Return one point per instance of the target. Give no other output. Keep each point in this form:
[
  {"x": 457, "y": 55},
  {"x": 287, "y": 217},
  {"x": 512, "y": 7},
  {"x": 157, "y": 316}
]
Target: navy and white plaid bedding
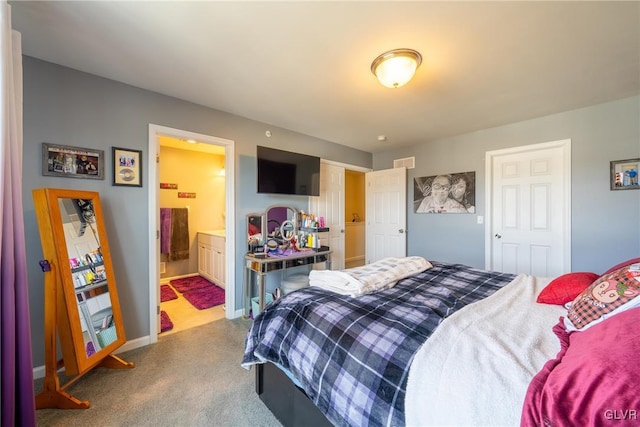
[{"x": 352, "y": 355}]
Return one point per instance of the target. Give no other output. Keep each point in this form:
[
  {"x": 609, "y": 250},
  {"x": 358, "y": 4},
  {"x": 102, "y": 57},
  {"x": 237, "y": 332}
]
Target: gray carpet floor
[{"x": 191, "y": 378}]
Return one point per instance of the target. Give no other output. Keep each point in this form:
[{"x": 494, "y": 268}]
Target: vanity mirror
[
  {"x": 280, "y": 223},
  {"x": 81, "y": 300},
  {"x": 255, "y": 237}
]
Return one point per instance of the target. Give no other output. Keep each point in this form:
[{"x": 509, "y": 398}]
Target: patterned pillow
[
  {"x": 566, "y": 288},
  {"x": 611, "y": 294}
]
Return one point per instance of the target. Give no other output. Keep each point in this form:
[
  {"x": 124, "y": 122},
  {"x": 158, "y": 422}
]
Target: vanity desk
[
  {"x": 257, "y": 265},
  {"x": 277, "y": 242}
]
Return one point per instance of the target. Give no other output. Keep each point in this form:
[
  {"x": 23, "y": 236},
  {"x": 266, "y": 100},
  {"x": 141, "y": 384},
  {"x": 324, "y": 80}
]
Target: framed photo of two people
[{"x": 445, "y": 193}]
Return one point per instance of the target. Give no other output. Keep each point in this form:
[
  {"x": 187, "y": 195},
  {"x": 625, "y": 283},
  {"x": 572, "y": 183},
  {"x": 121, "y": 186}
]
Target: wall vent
[{"x": 407, "y": 162}]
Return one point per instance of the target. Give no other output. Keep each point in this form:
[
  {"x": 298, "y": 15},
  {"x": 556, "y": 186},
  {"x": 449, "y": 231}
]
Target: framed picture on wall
[
  {"x": 445, "y": 193},
  {"x": 72, "y": 162},
  {"x": 127, "y": 167},
  {"x": 624, "y": 174}
]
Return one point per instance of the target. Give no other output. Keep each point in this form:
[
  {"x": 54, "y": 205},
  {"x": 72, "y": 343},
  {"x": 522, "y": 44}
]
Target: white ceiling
[{"x": 305, "y": 66}]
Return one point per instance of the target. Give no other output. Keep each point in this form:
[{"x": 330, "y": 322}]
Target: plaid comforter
[{"x": 352, "y": 355}]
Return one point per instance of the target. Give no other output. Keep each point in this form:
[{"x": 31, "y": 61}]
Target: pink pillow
[
  {"x": 566, "y": 288},
  {"x": 622, "y": 264},
  {"x": 609, "y": 295},
  {"x": 591, "y": 382}
]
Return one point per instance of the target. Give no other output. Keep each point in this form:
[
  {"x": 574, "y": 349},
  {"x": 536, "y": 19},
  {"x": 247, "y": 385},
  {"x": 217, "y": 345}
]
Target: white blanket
[
  {"x": 382, "y": 274},
  {"x": 476, "y": 367}
]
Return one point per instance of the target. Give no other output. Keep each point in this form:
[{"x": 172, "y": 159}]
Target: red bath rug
[{"x": 204, "y": 298}]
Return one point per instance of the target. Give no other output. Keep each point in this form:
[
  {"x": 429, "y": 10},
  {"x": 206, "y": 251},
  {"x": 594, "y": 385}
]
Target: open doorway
[
  {"x": 355, "y": 216},
  {"x": 341, "y": 201},
  {"x": 192, "y": 285},
  {"x": 215, "y": 156}
]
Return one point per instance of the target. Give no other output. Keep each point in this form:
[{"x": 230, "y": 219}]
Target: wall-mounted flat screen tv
[{"x": 285, "y": 172}]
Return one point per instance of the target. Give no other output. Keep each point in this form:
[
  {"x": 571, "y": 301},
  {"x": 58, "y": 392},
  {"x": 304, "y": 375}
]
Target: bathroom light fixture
[{"x": 396, "y": 67}]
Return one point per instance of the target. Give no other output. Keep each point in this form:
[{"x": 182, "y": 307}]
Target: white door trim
[
  {"x": 154, "y": 220},
  {"x": 490, "y": 156},
  {"x": 347, "y": 166}
]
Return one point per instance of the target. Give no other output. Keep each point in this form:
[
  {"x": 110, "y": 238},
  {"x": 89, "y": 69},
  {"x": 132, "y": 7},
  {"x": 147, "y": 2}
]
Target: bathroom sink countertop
[{"x": 220, "y": 233}]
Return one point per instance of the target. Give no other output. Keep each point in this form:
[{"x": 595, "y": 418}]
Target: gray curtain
[{"x": 17, "y": 393}]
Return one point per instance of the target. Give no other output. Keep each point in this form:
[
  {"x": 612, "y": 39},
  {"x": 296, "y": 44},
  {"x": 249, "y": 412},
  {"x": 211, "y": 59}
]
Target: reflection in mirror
[
  {"x": 254, "y": 232},
  {"x": 88, "y": 273},
  {"x": 276, "y": 215}
]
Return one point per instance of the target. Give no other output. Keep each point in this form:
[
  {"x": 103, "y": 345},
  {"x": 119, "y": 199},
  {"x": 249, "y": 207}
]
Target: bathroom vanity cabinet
[{"x": 211, "y": 256}]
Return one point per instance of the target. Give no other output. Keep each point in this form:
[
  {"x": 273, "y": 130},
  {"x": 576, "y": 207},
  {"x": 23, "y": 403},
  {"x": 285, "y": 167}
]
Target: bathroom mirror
[
  {"x": 80, "y": 285},
  {"x": 277, "y": 215}
]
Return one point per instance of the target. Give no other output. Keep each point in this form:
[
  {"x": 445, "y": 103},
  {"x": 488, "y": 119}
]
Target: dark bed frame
[{"x": 288, "y": 402}]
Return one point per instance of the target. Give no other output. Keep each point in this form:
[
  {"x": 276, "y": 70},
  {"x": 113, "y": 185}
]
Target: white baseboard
[{"x": 39, "y": 371}]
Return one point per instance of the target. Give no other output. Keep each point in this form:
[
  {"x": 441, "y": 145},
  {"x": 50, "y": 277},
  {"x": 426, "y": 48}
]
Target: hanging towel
[
  {"x": 165, "y": 230},
  {"x": 179, "y": 234}
]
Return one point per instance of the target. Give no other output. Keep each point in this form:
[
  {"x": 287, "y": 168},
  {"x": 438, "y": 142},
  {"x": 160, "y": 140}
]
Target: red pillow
[
  {"x": 622, "y": 264},
  {"x": 566, "y": 288}
]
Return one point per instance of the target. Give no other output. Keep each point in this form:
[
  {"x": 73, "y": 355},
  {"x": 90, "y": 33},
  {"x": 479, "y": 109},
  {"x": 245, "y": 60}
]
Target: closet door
[{"x": 386, "y": 205}]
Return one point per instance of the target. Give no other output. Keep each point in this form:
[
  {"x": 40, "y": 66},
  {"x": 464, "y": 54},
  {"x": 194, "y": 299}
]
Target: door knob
[
  {"x": 401, "y": 231},
  {"x": 498, "y": 236}
]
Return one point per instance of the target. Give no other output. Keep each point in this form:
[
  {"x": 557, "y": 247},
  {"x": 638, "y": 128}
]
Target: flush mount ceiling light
[{"x": 396, "y": 67}]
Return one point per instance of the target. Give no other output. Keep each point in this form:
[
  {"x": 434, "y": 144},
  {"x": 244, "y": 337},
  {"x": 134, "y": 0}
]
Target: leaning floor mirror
[{"x": 81, "y": 299}]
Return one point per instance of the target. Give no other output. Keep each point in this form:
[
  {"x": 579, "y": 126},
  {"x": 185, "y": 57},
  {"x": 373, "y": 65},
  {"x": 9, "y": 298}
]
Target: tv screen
[{"x": 285, "y": 172}]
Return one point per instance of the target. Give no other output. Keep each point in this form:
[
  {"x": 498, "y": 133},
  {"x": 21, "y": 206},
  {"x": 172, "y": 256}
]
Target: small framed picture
[
  {"x": 127, "y": 167},
  {"x": 624, "y": 174},
  {"x": 72, "y": 162}
]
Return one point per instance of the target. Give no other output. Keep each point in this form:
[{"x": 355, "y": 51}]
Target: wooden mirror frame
[{"x": 61, "y": 301}]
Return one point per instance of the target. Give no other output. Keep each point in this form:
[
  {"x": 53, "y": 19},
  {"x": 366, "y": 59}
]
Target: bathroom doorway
[
  {"x": 192, "y": 176},
  {"x": 190, "y": 294}
]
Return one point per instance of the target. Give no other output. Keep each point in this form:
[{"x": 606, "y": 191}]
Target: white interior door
[
  {"x": 330, "y": 205},
  {"x": 386, "y": 206},
  {"x": 528, "y": 229}
]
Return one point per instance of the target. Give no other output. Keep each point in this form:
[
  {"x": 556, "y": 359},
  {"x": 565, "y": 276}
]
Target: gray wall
[
  {"x": 64, "y": 106},
  {"x": 605, "y": 223},
  {"x": 68, "y": 107}
]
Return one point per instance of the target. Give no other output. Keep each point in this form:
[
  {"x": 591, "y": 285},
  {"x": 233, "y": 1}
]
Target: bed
[{"x": 450, "y": 345}]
